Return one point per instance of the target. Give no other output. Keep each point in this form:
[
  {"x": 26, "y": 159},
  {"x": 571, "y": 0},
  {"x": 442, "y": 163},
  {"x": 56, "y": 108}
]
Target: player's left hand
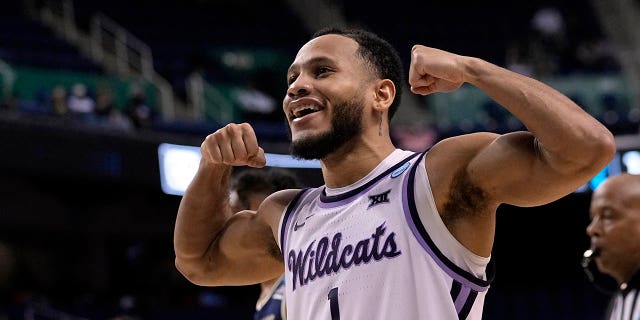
[{"x": 434, "y": 70}]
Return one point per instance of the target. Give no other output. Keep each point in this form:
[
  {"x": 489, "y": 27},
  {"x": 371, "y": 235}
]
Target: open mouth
[{"x": 303, "y": 111}]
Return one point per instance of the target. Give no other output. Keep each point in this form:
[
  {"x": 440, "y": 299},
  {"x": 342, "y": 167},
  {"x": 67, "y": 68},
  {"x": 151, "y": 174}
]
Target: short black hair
[
  {"x": 251, "y": 181},
  {"x": 378, "y": 53}
]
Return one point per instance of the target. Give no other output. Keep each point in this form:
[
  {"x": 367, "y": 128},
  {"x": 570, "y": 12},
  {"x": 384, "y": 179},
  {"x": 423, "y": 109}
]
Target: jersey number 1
[{"x": 333, "y": 304}]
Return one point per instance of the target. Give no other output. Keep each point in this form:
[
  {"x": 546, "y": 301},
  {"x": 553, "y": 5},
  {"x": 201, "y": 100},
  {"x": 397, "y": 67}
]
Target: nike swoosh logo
[{"x": 297, "y": 226}]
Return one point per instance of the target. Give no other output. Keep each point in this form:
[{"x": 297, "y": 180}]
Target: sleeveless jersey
[
  {"x": 272, "y": 307},
  {"x": 378, "y": 249}
]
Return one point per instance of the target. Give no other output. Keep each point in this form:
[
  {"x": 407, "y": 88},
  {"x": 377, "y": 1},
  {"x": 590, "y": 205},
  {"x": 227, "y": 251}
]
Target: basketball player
[
  {"x": 249, "y": 188},
  {"x": 615, "y": 238},
  {"x": 393, "y": 234}
]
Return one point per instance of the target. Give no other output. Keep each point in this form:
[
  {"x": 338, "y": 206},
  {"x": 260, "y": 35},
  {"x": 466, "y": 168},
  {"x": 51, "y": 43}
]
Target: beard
[{"x": 345, "y": 125}]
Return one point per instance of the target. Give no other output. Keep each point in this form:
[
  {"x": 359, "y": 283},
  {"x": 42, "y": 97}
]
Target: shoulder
[
  {"x": 463, "y": 145},
  {"x": 274, "y": 205},
  {"x": 282, "y": 198},
  {"x": 449, "y": 156}
]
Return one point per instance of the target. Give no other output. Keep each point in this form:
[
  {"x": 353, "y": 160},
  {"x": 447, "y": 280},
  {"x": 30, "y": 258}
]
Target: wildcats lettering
[{"x": 324, "y": 258}]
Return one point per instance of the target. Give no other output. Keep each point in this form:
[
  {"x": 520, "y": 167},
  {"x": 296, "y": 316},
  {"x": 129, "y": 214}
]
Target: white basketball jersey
[{"x": 378, "y": 249}]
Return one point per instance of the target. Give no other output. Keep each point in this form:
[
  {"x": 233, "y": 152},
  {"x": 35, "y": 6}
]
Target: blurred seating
[
  {"x": 605, "y": 96},
  {"x": 25, "y": 42},
  {"x": 232, "y": 54},
  {"x": 188, "y": 36}
]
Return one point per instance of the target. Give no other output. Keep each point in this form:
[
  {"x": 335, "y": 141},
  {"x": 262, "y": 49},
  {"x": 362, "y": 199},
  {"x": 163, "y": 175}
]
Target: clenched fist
[
  {"x": 233, "y": 145},
  {"x": 433, "y": 70}
]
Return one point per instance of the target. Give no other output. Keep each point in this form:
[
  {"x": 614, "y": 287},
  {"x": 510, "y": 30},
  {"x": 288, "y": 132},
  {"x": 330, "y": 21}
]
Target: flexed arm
[
  {"x": 473, "y": 174},
  {"x": 564, "y": 148},
  {"x": 214, "y": 246}
]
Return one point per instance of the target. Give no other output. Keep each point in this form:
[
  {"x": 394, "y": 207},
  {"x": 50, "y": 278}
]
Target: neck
[{"x": 355, "y": 159}]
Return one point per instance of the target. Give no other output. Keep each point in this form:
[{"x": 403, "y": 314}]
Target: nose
[
  {"x": 299, "y": 88},
  {"x": 593, "y": 229}
]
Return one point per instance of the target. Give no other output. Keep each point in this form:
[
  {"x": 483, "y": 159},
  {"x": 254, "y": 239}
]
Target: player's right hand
[{"x": 233, "y": 145}]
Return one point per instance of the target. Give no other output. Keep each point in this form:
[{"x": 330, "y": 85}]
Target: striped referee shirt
[{"x": 625, "y": 305}]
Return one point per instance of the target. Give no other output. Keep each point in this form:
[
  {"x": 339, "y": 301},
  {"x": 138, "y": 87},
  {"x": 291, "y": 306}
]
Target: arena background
[{"x": 85, "y": 225}]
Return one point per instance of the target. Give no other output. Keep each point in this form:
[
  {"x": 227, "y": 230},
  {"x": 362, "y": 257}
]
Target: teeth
[{"x": 304, "y": 110}]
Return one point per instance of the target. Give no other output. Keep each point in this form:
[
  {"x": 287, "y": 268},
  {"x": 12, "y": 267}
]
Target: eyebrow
[{"x": 312, "y": 61}]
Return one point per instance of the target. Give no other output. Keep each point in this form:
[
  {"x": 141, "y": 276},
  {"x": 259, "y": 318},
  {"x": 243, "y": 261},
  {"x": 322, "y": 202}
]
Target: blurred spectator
[
  {"x": 249, "y": 188},
  {"x": 518, "y": 58},
  {"x": 546, "y": 50},
  {"x": 79, "y": 102},
  {"x": 557, "y": 44},
  {"x": 548, "y": 41},
  {"x": 138, "y": 110},
  {"x": 58, "y": 100},
  {"x": 106, "y": 111},
  {"x": 549, "y": 23},
  {"x": 597, "y": 55},
  {"x": 104, "y": 106}
]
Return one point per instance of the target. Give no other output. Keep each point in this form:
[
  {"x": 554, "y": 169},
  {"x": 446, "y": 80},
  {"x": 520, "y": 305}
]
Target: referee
[{"x": 615, "y": 239}]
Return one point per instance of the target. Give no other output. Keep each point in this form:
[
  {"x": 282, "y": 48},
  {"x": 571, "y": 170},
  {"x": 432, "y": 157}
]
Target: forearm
[
  {"x": 202, "y": 213},
  {"x": 567, "y": 135}
]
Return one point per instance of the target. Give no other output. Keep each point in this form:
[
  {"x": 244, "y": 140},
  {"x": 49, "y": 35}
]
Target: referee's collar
[{"x": 632, "y": 284}]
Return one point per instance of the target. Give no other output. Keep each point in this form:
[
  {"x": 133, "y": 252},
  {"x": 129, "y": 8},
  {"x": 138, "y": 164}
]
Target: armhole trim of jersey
[
  {"x": 285, "y": 218},
  {"x": 420, "y": 233}
]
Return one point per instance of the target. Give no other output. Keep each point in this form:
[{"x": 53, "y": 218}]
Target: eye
[
  {"x": 607, "y": 214},
  {"x": 322, "y": 71},
  {"x": 291, "y": 78}
]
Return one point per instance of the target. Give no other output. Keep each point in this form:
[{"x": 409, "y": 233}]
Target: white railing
[
  {"x": 132, "y": 56},
  {"x": 208, "y": 101},
  {"x": 60, "y": 17},
  {"x": 111, "y": 46},
  {"x": 124, "y": 54}
]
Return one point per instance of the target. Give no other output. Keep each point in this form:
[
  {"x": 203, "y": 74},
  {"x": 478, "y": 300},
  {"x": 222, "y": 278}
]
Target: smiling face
[
  {"x": 324, "y": 104},
  {"x": 615, "y": 226}
]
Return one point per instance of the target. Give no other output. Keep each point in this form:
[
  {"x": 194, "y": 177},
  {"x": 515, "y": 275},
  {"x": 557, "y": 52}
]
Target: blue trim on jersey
[
  {"x": 349, "y": 196},
  {"x": 285, "y": 219},
  {"x": 480, "y": 284}
]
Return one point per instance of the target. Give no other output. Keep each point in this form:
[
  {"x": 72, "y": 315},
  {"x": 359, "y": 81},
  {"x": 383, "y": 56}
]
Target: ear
[{"x": 384, "y": 94}]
